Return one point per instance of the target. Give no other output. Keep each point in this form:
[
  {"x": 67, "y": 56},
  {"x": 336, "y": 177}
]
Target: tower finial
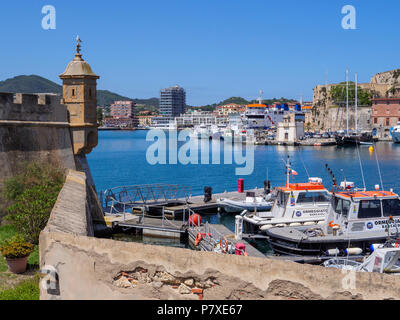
[{"x": 78, "y": 47}]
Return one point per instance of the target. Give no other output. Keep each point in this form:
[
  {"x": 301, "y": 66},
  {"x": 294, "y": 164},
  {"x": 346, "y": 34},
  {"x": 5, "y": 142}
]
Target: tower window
[
  {"x": 73, "y": 92},
  {"x": 90, "y": 92}
]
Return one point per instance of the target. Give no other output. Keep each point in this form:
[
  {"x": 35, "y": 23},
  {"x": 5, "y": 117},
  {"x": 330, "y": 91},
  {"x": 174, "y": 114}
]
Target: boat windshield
[
  {"x": 369, "y": 209},
  {"x": 341, "y": 206},
  {"x": 311, "y": 197},
  {"x": 282, "y": 198},
  {"x": 391, "y": 207}
]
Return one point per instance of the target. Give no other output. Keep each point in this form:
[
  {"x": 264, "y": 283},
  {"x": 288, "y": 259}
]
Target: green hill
[{"x": 37, "y": 84}]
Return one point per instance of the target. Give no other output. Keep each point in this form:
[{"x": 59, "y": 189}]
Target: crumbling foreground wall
[{"x": 91, "y": 268}]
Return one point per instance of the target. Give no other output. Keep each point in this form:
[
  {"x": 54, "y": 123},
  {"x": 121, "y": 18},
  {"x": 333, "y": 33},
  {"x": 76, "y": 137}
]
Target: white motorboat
[
  {"x": 356, "y": 220},
  {"x": 296, "y": 204},
  {"x": 396, "y": 133},
  {"x": 383, "y": 259},
  {"x": 251, "y": 203},
  {"x": 201, "y": 132}
]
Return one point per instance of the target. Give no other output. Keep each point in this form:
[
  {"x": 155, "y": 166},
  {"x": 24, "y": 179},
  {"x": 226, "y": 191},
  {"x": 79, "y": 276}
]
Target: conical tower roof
[{"x": 78, "y": 67}]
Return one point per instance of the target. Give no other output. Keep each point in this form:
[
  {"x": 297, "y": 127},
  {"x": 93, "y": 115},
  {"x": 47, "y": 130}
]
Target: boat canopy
[
  {"x": 367, "y": 194},
  {"x": 309, "y": 186}
]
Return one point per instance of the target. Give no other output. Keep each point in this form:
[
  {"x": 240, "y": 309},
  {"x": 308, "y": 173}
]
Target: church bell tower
[{"x": 80, "y": 97}]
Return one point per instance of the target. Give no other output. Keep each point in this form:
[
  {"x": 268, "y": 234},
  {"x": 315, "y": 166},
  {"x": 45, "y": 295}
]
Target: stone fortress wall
[
  {"x": 33, "y": 127},
  {"x": 328, "y": 116}
]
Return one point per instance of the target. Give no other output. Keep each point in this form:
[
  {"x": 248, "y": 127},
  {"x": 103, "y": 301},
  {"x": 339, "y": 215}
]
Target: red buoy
[{"x": 195, "y": 220}]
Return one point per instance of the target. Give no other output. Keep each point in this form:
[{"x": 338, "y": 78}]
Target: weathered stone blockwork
[{"x": 33, "y": 127}]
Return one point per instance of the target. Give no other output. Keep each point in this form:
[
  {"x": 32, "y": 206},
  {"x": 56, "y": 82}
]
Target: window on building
[
  {"x": 375, "y": 120},
  {"x": 90, "y": 92},
  {"x": 73, "y": 92},
  {"x": 387, "y": 121}
]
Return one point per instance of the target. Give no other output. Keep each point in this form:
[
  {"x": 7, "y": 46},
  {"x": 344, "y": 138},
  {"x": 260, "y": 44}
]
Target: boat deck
[{"x": 296, "y": 235}]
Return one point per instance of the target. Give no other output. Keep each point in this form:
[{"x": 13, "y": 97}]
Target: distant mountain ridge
[{"x": 38, "y": 84}]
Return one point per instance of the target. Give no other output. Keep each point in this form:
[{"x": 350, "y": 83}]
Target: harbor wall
[{"x": 86, "y": 267}]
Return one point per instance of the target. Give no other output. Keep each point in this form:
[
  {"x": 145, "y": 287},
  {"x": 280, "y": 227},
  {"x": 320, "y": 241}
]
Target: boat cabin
[
  {"x": 360, "y": 211},
  {"x": 302, "y": 200}
]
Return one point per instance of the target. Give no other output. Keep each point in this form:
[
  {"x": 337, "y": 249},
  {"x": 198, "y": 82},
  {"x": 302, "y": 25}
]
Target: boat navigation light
[
  {"x": 315, "y": 180},
  {"x": 377, "y": 187},
  {"x": 347, "y": 184}
]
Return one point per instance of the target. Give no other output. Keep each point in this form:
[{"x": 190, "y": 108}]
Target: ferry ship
[
  {"x": 260, "y": 116},
  {"x": 357, "y": 221},
  {"x": 396, "y": 133},
  {"x": 254, "y": 116}
]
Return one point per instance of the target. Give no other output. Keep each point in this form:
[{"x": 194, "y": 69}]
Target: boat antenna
[
  {"x": 379, "y": 169},
  {"x": 344, "y": 177},
  {"x": 304, "y": 165},
  {"x": 332, "y": 175},
  {"x": 347, "y": 100},
  {"x": 356, "y": 103},
  {"x": 361, "y": 167},
  {"x": 287, "y": 165}
]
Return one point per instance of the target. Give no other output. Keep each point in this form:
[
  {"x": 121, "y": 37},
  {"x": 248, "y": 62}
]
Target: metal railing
[{"x": 138, "y": 195}]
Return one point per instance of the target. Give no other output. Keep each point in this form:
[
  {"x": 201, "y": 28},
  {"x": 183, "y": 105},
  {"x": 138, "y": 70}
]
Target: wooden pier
[{"x": 156, "y": 227}]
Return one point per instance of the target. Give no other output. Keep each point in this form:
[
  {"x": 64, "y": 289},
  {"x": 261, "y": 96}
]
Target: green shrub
[
  {"x": 33, "y": 193},
  {"x": 16, "y": 247},
  {"x": 25, "y": 290}
]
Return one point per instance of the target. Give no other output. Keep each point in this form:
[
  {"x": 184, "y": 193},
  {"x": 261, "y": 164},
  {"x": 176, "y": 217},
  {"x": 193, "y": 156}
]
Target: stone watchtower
[{"x": 79, "y": 96}]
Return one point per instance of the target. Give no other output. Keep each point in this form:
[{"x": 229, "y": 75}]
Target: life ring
[
  {"x": 224, "y": 246},
  {"x": 199, "y": 237},
  {"x": 333, "y": 225}
]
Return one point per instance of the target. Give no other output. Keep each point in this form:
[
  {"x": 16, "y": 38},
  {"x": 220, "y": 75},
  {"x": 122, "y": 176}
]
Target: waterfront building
[
  {"x": 227, "y": 109},
  {"x": 122, "y": 114},
  {"x": 145, "y": 121},
  {"x": 122, "y": 109},
  {"x": 385, "y": 115},
  {"x": 196, "y": 118},
  {"x": 172, "y": 102},
  {"x": 80, "y": 98},
  {"x": 292, "y": 127}
]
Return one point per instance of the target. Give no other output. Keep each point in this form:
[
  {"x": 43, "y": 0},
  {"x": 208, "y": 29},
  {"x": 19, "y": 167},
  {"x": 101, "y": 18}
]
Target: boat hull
[
  {"x": 354, "y": 140},
  {"x": 287, "y": 241},
  {"x": 238, "y": 206},
  {"x": 396, "y": 137}
]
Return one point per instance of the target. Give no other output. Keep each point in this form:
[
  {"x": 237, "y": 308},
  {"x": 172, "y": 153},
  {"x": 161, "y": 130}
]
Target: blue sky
[{"x": 213, "y": 48}]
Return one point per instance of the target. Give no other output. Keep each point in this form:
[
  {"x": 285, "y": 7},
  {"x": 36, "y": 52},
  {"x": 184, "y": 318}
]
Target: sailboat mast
[
  {"x": 356, "y": 119},
  {"x": 347, "y": 101}
]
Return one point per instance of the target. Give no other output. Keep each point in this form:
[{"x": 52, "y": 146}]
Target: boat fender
[
  {"x": 375, "y": 246},
  {"x": 353, "y": 251},
  {"x": 295, "y": 224},
  {"x": 332, "y": 252},
  {"x": 266, "y": 227}
]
